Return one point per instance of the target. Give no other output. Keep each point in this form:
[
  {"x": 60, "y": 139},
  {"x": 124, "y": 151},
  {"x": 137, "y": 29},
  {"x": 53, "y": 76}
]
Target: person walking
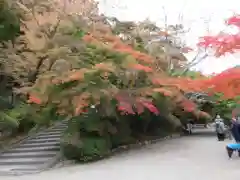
[{"x": 220, "y": 128}]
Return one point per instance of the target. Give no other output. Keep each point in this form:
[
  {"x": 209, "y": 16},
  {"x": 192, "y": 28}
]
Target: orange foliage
[
  {"x": 142, "y": 68},
  {"x": 227, "y": 83},
  {"x": 109, "y": 67},
  {"x": 118, "y": 46},
  {"x": 34, "y": 99},
  {"x": 159, "y": 81},
  {"x": 77, "y": 75}
]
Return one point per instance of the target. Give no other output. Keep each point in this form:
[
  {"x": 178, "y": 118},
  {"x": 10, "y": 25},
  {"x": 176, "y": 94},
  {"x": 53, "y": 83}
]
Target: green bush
[
  {"x": 86, "y": 139},
  {"x": 9, "y": 22},
  {"x": 24, "y": 117},
  {"x": 90, "y": 136}
]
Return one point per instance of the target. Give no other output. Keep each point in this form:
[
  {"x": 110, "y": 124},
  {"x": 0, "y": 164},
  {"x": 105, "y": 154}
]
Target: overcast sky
[{"x": 195, "y": 15}]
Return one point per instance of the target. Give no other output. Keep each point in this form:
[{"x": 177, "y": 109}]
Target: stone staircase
[{"x": 33, "y": 154}]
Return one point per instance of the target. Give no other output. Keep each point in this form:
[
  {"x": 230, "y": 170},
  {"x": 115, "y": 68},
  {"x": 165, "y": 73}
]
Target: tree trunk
[{"x": 33, "y": 76}]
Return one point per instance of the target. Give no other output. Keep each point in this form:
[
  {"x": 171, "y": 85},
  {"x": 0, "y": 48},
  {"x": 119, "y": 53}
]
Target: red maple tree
[
  {"x": 224, "y": 42},
  {"x": 228, "y": 81}
]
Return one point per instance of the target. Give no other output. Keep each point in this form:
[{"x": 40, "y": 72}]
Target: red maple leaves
[
  {"x": 134, "y": 105},
  {"x": 227, "y": 82},
  {"x": 223, "y": 42},
  {"x": 234, "y": 20},
  {"x": 188, "y": 105}
]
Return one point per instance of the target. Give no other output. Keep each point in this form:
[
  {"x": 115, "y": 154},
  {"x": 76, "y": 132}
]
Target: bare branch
[
  {"x": 53, "y": 32},
  {"x": 194, "y": 62}
]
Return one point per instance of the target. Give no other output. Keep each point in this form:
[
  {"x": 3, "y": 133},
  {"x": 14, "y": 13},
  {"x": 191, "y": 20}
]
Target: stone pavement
[{"x": 197, "y": 157}]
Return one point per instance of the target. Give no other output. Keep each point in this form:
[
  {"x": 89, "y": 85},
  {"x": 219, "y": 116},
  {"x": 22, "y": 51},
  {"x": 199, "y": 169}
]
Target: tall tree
[{"x": 42, "y": 44}]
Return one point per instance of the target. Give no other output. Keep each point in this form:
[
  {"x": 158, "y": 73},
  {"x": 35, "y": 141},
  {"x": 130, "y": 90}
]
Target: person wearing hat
[{"x": 220, "y": 128}]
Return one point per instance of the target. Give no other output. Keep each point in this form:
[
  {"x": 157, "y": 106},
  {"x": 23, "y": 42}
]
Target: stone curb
[{"x": 144, "y": 144}]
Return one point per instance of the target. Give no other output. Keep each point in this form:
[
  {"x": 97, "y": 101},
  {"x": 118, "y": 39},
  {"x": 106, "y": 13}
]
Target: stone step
[
  {"x": 28, "y": 154},
  {"x": 34, "y": 153},
  {"x": 42, "y": 136},
  {"x": 56, "y": 130},
  {"x": 43, "y": 144},
  {"x": 65, "y": 121},
  {"x": 23, "y": 161},
  {"x": 40, "y": 140},
  {"x": 36, "y": 149},
  {"x": 49, "y": 133},
  {"x": 63, "y": 124},
  {"x": 9, "y": 168},
  {"x": 60, "y": 127}
]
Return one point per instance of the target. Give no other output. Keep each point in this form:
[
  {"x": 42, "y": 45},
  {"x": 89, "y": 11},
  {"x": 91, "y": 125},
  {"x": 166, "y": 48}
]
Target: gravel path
[{"x": 197, "y": 157}]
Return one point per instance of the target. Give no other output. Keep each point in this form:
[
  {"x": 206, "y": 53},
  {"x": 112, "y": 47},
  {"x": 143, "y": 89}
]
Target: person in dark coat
[{"x": 235, "y": 129}]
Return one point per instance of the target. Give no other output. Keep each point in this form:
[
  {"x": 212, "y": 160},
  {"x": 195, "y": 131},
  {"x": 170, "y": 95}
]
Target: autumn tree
[
  {"x": 117, "y": 72},
  {"x": 147, "y": 36},
  {"x": 172, "y": 36},
  {"x": 111, "y": 86},
  {"x": 225, "y": 85},
  {"x": 111, "y": 80},
  {"x": 41, "y": 46}
]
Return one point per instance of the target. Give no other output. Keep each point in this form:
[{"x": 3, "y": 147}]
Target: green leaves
[
  {"x": 7, "y": 120},
  {"x": 9, "y": 23},
  {"x": 225, "y": 107},
  {"x": 79, "y": 33}
]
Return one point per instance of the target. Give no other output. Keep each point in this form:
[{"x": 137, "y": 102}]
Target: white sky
[{"x": 194, "y": 14}]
